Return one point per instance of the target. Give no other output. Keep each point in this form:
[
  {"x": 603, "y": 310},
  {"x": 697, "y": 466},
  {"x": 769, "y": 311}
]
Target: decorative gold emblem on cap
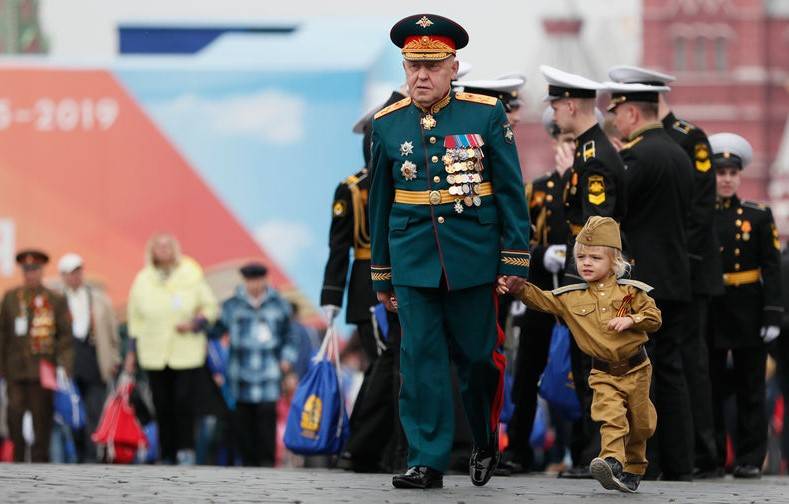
[{"x": 424, "y": 22}]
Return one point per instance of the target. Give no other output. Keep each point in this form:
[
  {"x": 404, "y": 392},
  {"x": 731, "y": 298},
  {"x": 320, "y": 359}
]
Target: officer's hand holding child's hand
[
  {"x": 501, "y": 288},
  {"x": 620, "y": 324},
  {"x": 388, "y": 299}
]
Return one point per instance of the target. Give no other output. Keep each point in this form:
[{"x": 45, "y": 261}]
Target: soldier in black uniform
[
  {"x": 546, "y": 211},
  {"x": 749, "y": 314},
  {"x": 374, "y": 425},
  {"x": 659, "y": 181},
  {"x": 705, "y": 265},
  {"x": 593, "y": 186}
]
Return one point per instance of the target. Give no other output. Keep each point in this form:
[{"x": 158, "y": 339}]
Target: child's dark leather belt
[{"x": 622, "y": 367}]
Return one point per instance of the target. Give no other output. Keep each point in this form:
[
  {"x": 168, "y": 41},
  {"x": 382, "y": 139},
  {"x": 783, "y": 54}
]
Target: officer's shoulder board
[
  {"x": 391, "y": 108},
  {"x": 683, "y": 127},
  {"x": 631, "y": 143},
  {"x": 754, "y": 205},
  {"x": 477, "y": 98},
  {"x": 354, "y": 179},
  {"x": 635, "y": 283},
  {"x": 569, "y": 288}
]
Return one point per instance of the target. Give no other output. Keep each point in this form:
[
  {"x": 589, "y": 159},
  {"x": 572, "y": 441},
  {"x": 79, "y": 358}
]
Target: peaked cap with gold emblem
[
  {"x": 600, "y": 232},
  {"x": 730, "y": 149},
  {"x": 428, "y": 37}
]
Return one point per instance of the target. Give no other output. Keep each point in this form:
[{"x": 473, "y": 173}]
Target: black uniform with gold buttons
[
  {"x": 595, "y": 185},
  {"x": 751, "y": 305},
  {"x": 659, "y": 184}
]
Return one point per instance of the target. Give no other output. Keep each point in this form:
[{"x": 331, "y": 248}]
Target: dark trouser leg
[
  {"x": 585, "y": 443},
  {"x": 672, "y": 401},
  {"x": 535, "y": 340},
  {"x": 749, "y": 367},
  {"x": 779, "y": 350},
  {"x": 163, "y": 394},
  {"x": 41, "y": 407},
  {"x": 717, "y": 378},
  {"x": 373, "y": 413},
  {"x": 246, "y": 423},
  {"x": 18, "y": 400},
  {"x": 93, "y": 395},
  {"x": 471, "y": 320},
  {"x": 695, "y": 363},
  {"x": 367, "y": 340},
  {"x": 184, "y": 419},
  {"x": 267, "y": 432},
  {"x": 425, "y": 392}
]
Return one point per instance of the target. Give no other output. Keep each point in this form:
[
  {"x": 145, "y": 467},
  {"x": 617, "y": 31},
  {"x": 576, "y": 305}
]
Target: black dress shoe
[
  {"x": 747, "y": 471},
  {"x": 509, "y": 468},
  {"x": 705, "y": 474},
  {"x": 607, "y": 472},
  {"x": 483, "y": 461},
  {"x": 630, "y": 480},
  {"x": 576, "y": 472},
  {"x": 420, "y": 477}
]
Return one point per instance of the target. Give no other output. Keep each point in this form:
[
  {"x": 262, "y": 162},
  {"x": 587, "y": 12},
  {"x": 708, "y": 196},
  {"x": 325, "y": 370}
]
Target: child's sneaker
[
  {"x": 630, "y": 480},
  {"x": 608, "y": 472}
]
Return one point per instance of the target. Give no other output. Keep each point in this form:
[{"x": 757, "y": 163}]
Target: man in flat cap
[
  {"x": 659, "y": 179},
  {"x": 257, "y": 320},
  {"x": 594, "y": 185},
  {"x": 447, "y": 217},
  {"x": 747, "y": 316},
  {"x": 705, "y": 263},
  {"x": 35, "y": 337}
]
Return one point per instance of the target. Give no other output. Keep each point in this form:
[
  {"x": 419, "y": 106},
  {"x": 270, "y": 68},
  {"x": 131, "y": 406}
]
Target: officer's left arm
[
  {"x": 770, "y": 262},
  {"x": 64, "y": 352},
  {"x": 289, "y": 352},
  {"x": 379, "y": 203},
  {"x": 702, "y": 211},
  {"x": 510, "y": 201},
  {"x": 644, "y": 312},
  {"x": 599, "y": 190}
]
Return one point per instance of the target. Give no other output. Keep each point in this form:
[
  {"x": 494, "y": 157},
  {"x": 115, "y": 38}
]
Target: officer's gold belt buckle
[{"x": 436, "y": 197}]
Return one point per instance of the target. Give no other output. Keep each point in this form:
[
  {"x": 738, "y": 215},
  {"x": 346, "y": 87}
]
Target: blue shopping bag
[
  {"x": 508, "y": 408},
  {"x": 556, "y": 384},
  {"x": 69, "y": 406},
  {"x": 540, "y": 426},
  {"x": 317, "y": 420}
]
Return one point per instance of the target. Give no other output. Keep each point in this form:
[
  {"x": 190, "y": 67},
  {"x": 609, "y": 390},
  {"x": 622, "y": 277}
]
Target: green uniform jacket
[
  {"x": 413, "y": 245},
  {"x": 20, "y": 354}
]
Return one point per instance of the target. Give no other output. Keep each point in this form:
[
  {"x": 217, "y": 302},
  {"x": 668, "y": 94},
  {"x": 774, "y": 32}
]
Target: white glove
[
  {"x": 769, "y": 333},
  {"x": 554, "y": 257},
  {"x": 330, "y": 312}
]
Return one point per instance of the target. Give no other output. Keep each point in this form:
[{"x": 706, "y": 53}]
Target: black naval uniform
[
  {"x": 595, "y": 185},
  {"x": 659, "y": 181},
  {"x": 546, "y": 211},
  {"x": 373, "y": 422},
  {"x": 750, "y": 251},
  {"x": 705, "y": 274}
]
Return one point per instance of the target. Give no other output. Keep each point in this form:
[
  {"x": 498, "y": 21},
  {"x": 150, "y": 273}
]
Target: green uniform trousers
[{"x": 439, "y": 325}]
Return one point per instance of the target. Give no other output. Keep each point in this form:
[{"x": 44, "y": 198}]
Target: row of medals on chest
[{"x": 464, "y": 168}]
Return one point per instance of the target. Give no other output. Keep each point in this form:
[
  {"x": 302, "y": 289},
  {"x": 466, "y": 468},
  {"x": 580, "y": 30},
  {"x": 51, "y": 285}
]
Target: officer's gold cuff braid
[{"x": 381, "y": 273}]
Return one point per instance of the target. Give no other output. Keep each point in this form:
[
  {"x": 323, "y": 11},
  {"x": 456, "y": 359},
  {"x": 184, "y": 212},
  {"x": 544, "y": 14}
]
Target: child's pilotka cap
[{"x": 600, "y": 231}]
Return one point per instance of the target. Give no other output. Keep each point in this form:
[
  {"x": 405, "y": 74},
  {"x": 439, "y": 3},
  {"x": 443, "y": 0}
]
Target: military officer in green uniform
[
  {"x": 35, "y": 336},
  {"x": 447, "y": 217},
  {"x": 748, "y": 315},
  {"x": 705, "y": 265}
]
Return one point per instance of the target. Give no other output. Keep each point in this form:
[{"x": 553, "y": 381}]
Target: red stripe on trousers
[{"x": 500, "y": 361}]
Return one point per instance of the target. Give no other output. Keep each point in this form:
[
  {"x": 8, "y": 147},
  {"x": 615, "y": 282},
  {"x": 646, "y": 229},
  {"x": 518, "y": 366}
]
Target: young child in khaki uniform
[{"x": 609, "y": 318}]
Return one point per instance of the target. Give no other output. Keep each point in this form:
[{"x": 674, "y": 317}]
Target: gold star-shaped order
[
  {"x": 424, "y": 22},
  {"x": 408, "y": 170},
  {"x": 406, "y": 148}
]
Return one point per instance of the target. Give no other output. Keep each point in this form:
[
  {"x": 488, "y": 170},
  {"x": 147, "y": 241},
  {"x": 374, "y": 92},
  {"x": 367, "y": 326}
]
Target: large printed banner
[{"x": 238, "y": 165}]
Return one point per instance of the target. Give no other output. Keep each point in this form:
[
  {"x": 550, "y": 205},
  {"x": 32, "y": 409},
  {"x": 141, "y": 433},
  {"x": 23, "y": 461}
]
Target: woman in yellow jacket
[{"x": 169, "y": 305}]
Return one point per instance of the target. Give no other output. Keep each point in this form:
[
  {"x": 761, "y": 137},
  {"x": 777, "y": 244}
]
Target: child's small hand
[
  {"x": 501, "y": 288},
  {"x": 620, "y": 324}
]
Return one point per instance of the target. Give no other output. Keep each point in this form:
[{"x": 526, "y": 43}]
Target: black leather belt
[{"x": 622, "y": 367}]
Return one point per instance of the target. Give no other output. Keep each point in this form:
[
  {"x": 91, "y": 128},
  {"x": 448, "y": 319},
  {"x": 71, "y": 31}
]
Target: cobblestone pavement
[{"x": 21, "y": 483}]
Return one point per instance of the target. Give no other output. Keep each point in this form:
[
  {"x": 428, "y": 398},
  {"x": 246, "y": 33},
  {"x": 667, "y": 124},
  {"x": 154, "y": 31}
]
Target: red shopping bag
[{"x": 119, "y": 433}]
